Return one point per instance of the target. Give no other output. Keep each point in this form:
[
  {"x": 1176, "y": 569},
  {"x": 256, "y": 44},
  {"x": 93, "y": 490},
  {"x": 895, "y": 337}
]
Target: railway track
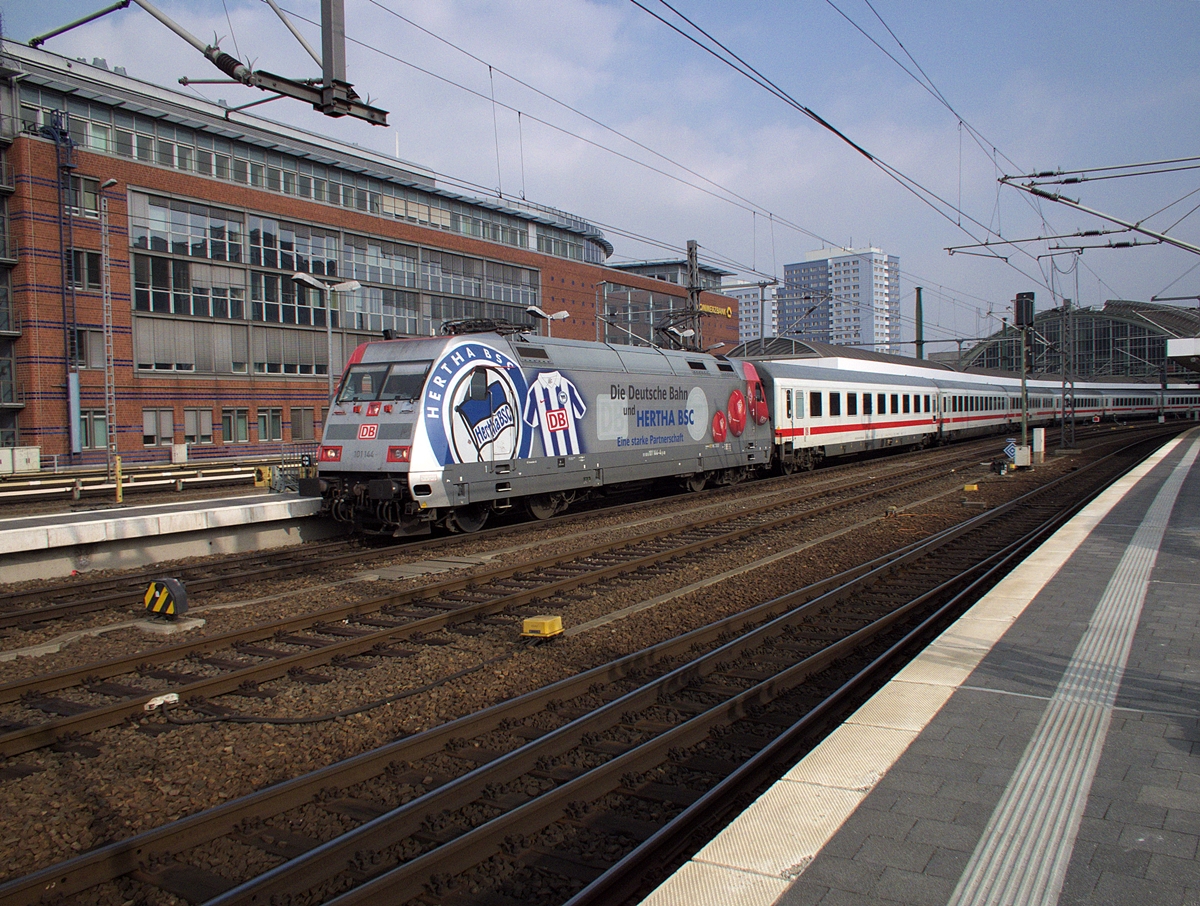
[
  {"x": 29, "y": 607},
  {"x": 82, "y": 700},
  {"x": 580, "y": 790}
]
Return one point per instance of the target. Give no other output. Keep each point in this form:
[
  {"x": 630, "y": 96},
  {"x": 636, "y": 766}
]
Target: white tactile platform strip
[{"x": 752, "y": 861}]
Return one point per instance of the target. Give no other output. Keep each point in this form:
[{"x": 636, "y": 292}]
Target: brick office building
[{"x": 191, "y": 329}]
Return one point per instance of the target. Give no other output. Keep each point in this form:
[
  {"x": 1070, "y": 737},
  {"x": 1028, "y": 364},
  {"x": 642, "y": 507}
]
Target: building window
[
  {"x": 235, "y": 426},
  {"x": 93, "y": 429},
  {"x": 87, "y": 348},
  {"x": 188, "y": 288},
  {"x": 85, "y": 196},
  {"x": 197, "y": 426},
  {"x": 183, "y": 228},
  {"x": 85, "y": 269},
  {"x": 270, "y": 424},
  {"x": 158, "y": 427},
  {"x": 303, "y": 425}
]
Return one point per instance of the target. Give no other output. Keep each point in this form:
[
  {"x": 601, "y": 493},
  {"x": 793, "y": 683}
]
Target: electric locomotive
[{"x": 446, "y": 430}]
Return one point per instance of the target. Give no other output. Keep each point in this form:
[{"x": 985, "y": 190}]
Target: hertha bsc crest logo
[{"x": 472, "y": 406}]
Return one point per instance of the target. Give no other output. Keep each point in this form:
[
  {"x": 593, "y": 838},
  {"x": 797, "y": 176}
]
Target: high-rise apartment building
[{"x": 847, "y": 297}]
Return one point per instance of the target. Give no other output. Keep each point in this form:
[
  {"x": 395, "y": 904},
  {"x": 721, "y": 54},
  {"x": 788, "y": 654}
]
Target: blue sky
[{"x": 1047, "y": 84}]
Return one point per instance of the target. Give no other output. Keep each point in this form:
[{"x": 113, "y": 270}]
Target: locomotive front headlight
[{"x": 330, "y": 454}]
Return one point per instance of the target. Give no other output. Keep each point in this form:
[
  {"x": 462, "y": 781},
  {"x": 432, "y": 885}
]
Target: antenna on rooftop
[{"x": 331, "y": 94}]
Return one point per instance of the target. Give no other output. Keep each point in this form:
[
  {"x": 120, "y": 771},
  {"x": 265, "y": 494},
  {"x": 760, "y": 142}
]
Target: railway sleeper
[
  {"x": 63, "y": 707},
  {"x": 174, "y": 676},
  {"x": 665, "y": 793},
  {"x": 303, "y": 641},
  {"x": 563, "y": 864},
  {"x": 195, "y": 885},
  {"x": 363, "y": 810},
  {"x": 274, "y": 842},
  {"x": 114, "y": 690}
]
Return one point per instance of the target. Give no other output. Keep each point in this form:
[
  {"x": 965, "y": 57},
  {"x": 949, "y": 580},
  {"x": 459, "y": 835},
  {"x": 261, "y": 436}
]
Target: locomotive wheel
[
  {"x": 696, "y": 483},
  {"x": 467, "y": 519},
  {"x": 541, "y": 506},
  {"x": 787, "y": 466}
]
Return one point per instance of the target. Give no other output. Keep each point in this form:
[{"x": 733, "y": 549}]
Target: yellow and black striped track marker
[{"x": 166, "y": 598}]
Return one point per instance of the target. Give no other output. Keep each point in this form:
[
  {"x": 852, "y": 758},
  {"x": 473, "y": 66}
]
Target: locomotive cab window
[
  {"x": 363, "y": 382},
  {"x": 405, "y": 380}
]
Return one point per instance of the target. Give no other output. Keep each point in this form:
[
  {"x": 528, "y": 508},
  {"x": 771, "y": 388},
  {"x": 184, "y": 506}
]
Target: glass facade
[{"x": 96, "y": 126}]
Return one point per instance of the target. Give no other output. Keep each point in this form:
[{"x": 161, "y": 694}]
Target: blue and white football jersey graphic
[{"x": 554, "y": 405}]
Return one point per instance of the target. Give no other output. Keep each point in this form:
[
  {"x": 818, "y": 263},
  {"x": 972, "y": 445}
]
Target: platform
[
  {"x": 43, "y": 547},
  {"x": 1045, "y": 749}
]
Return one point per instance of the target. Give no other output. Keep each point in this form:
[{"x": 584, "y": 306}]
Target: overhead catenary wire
[
  {"x": 731, "y": 59},
  {"x": 737, "y": 200},
  {"x": 747, "y": 204}
]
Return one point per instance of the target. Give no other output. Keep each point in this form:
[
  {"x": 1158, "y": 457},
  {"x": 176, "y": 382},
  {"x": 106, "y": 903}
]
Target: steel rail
[
  {"x": 367, "y": 843},
  {"x": 26, "y": 739},
  {"x": 110, "y": 861}
]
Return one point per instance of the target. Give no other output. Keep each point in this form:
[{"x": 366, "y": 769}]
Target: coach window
[
  {"x": 907, "y": 404},
  {"x": 788, "y": 398},
  {"x": 852, "y": 404},
  {"x": 835, "y": 403},
  {"x": 895, "y": 403},
  {"x": 158, "y": 427},
  {"x": 927, "y": 403},
  {"x": 881, "y": 403},
  {"x": 814, "y": 403},
  {"x": 866, "y": 404}
]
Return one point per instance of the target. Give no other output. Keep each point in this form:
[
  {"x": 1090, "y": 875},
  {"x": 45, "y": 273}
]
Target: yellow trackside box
[
  {"x": 542, "y": 627},
  {"x": 970, "y": 487}
]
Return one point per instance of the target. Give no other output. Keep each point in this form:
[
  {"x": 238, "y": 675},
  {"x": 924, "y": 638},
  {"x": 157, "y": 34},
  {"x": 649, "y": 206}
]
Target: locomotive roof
[{"x": 551, "y": 352}]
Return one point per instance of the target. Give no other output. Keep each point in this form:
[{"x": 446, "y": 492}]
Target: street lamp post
[
  {"x": 548, "y": 318},
  {"x": 110, "y": 389},
  {"x": 346, "y": 286}
]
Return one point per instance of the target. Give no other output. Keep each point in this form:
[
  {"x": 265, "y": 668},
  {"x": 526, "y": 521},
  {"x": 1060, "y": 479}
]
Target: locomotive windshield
[{"x": 400, "y": 381}]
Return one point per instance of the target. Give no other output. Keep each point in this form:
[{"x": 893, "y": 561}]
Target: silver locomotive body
[{"x": 448, "y": 430}]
